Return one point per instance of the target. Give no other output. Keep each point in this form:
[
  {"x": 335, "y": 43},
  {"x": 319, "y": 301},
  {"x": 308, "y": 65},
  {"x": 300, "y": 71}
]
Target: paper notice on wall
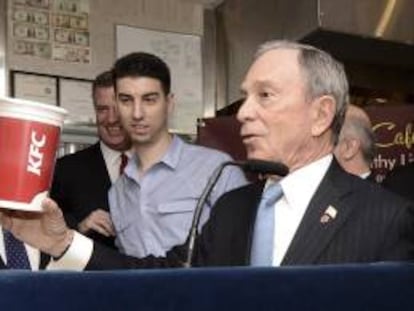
[{"x": 76, "y": 98}]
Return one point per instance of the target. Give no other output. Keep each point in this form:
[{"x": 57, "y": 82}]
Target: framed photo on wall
[
  {"x": 36, "y": 87},
  {"x": 75, "y": 95}
]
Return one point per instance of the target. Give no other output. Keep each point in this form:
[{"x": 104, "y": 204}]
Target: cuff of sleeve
[{"x": 76, "y": 257}]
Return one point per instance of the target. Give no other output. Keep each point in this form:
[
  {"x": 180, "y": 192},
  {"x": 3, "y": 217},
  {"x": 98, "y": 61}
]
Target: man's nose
[
  {"x": 137, "y": 110},
  {"x": 246, "y": 110},
  {"x": 113, "y": 115}
]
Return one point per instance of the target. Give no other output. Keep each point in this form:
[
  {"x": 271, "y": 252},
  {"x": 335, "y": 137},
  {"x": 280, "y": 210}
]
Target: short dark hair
[
  {"x": 102, "y": 80},
  {"x": 141, "y": 64}
]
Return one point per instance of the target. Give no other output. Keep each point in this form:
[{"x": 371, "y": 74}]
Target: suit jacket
[
  {"x": 44, "y": 260},
  {"x": 80, "y": 186},
  {"x": 400, "y": 180},
  {"x": 371, "y": 225},
  {"x": 371, "y": 177}
]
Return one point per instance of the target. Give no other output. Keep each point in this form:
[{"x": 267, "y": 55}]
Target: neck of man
[
  {"x": 152, "y": 152},
  {"x": 358, "y": 167},
  {"x": 313, "y": 151}
]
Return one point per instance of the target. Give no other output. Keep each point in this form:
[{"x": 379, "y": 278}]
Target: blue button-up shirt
[{"x": 153, "y": 212}]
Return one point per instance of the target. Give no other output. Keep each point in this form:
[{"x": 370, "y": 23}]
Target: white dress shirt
[
  {"x": 112, "y": 160},
  {"x": 298, "y": 190},
  {"x": 32, "y": 253},
  {"x": 76, "y": 257},
  {"x": 365, "y": 175}
]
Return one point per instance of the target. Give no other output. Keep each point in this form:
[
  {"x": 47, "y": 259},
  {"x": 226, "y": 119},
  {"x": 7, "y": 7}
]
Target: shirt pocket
[
  {"x": 123, "y": 225},
  {"x": 174, "y": 220},
  {"x": 128, "y": 238}
]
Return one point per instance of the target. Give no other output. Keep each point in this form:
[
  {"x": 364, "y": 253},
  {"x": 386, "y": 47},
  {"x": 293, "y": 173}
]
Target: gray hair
[
  {"x": 323, "y": 75},
  {"x": 359, "y": 128}
]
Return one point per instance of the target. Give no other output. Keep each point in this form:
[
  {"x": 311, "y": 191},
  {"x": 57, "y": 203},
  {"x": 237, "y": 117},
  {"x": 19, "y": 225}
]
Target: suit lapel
[
  {"x": 371, "y": 177},
  {"x": 323, "y": 217},
  {"x": 243, "y": 235},
  {"x": 2, "y": 265},
  {"x": 44, "y": 260},
  {"x": 98, "y": 162}
]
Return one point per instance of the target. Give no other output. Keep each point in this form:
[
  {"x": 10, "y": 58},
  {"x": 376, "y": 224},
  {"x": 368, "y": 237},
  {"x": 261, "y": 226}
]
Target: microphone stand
[
  {"x": 199, "y": 208},
  {"x": 256, "y": 166}
]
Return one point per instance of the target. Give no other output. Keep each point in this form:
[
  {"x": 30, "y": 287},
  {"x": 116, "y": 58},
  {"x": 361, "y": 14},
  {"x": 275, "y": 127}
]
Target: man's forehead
[
  {"x": 139, "y": 85},
  {"x": 256, "y": 83},
  {"x": 104, "y": 94},
  {"x": 137, "y": 78},
  {"x": 104, "y": 90},
  {"x": 271, "y": 65}
]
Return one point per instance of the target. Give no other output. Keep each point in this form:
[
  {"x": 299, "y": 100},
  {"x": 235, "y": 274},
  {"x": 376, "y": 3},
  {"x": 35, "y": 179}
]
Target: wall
[
  {"x": 378, "y": 60},
  {"x": 165, "y": 15},
  {"x": 244, "y": 24},
  {"x": 171, "y": 15}
]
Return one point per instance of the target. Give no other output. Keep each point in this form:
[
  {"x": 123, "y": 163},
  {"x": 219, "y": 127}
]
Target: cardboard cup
[{"x": 29, "y": 139}]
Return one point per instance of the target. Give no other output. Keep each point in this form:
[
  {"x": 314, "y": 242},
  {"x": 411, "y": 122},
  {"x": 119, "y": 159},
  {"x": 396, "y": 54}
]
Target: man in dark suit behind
[
  {"x": 400, "y": 180},
  {"x": 82, "y": 180},
  {"x": 295, "y": 101}
]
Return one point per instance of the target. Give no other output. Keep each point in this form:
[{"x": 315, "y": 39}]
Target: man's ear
[
  {"x": 323, "y": 113},
  {"x": 350, "y": 148}
]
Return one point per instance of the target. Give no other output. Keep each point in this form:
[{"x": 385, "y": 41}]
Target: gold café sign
[{"x": 399, "y": 138}]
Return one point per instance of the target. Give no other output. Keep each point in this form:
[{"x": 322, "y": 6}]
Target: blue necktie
[
  {"x": 262, "y": 246},
  {"x": 15, "y": 252}
]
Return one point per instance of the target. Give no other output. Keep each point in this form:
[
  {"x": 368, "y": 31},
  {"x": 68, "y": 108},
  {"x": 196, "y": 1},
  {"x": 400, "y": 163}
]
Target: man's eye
[
  {"x": 151, "y": 99},
  {"x": 101, "y": 109},
  {"x": 264, "y": 94},
  {"x": 124, "y": 99}
]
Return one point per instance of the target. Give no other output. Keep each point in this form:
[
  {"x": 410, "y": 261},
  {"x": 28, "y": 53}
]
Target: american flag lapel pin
[{"x": 329, "y": 214}]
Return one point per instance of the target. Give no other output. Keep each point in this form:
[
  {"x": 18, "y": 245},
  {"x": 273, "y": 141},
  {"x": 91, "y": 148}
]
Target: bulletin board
[{"x": 182, "y": 53}]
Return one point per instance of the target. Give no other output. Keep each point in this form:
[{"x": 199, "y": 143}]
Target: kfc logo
[{"x": 35, "y": 159}]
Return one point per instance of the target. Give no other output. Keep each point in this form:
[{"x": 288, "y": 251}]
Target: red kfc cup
[{"x": 29, "y": 139}]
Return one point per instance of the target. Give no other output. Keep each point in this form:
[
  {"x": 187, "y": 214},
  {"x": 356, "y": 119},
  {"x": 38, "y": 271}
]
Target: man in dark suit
[
  {"x": 82, "y": 180},
  {"x": 295, "y": 101},
  {"x": 400, "y": 180},
  {"x": 356, "y": 150}
]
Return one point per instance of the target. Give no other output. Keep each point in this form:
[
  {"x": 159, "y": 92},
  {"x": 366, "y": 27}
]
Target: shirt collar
[
  {"x": 172, "y": 157},
  {"x": 365, "y": 175},
  {"x": 110, "y": 155},
  {"x": 300, "y": 185}
]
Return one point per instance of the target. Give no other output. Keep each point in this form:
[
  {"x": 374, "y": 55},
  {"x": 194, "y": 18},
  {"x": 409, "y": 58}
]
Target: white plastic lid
[{"x": 30, "y": 110}]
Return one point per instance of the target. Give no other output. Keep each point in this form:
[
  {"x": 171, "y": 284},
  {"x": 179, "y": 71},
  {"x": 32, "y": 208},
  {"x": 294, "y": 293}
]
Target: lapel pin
[{"x": 329, "y": 214}]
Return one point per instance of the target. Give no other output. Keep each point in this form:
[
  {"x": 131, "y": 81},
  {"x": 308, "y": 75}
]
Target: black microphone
[
  {"x": 253, "y": 166},
  {"x": 264, "y": 167}
]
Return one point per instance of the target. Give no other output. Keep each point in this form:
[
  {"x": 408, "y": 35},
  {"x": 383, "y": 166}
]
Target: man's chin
[
  {"x": 141, "y": 140},
  {"x": 254, "y": 155}
]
